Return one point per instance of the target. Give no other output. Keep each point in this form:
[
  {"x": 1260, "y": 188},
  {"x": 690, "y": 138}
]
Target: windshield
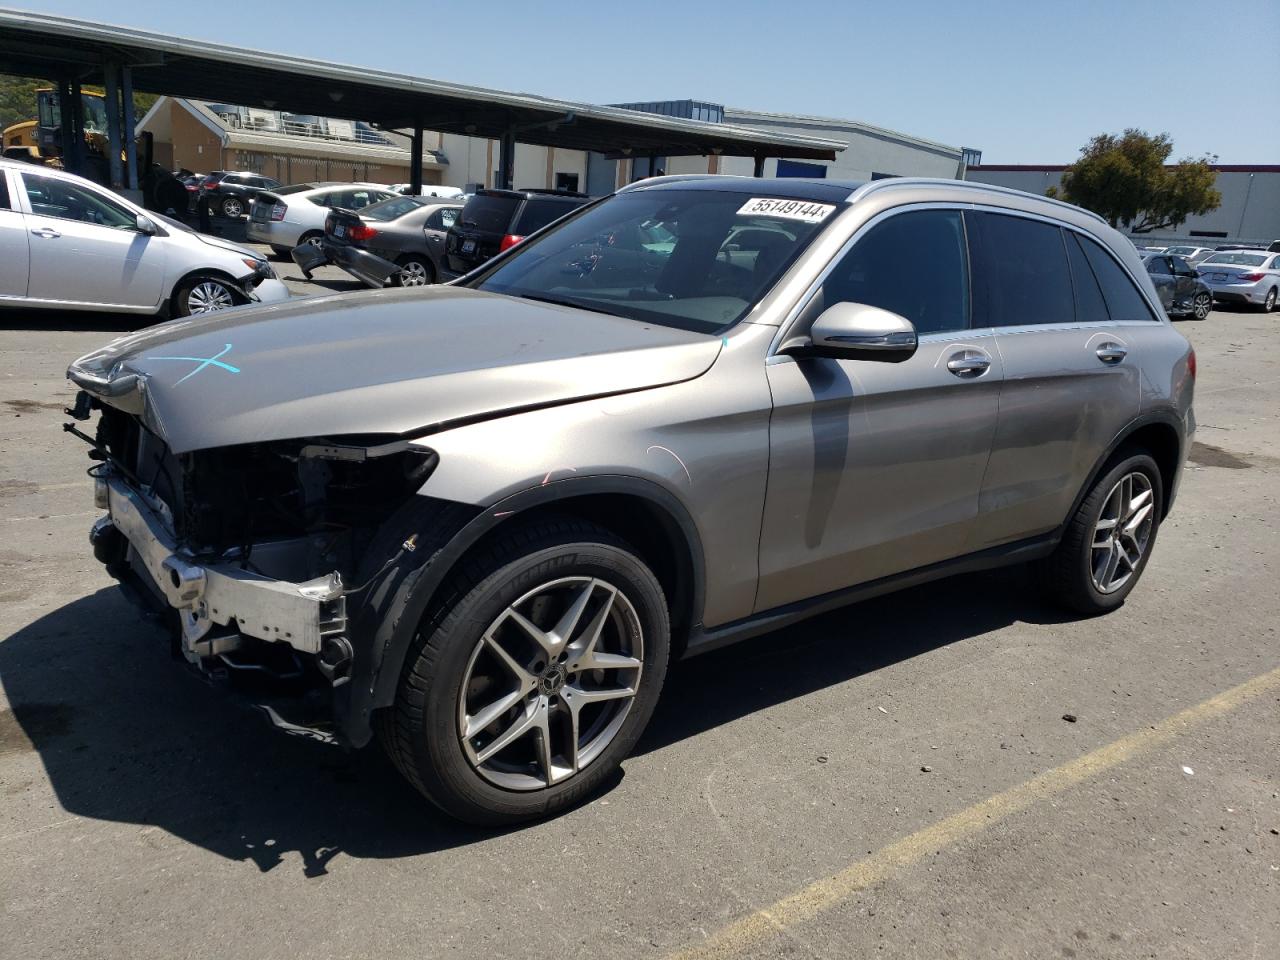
[
  {"x": 694, "y": 259},
  {"x": 1181, "y": 251},
  {"x": 392, "y": 209},
  {"x": 1237, "y": 259}
]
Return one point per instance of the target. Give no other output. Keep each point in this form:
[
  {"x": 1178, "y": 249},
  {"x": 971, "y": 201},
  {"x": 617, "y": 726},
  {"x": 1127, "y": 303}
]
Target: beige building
[{"x": 293, "y": 148}]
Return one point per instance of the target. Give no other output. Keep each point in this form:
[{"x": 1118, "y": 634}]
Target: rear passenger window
[
  {"x": 883, "y": 270},
  {"x": 4, "y": 192},
  {"x": 1090, "y": 305},
  {"x": 1124, "y": 302},
  {"x": 538, "y": 213},
  {"x": 1023, "y": 277}
]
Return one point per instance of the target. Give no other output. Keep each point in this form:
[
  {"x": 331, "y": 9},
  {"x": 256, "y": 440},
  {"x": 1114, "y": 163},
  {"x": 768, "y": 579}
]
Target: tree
[{"x": 1125, "y": 179}]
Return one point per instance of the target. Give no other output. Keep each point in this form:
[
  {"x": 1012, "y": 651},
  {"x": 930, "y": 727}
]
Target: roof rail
[
  {"x": 674, "y": 178},
  {"x": 892, "y": 182}
]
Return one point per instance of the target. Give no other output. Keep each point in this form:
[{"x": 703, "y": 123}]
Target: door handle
[
  {"x": 1112, "y": 353},
  {"x": 47, "y": 232},
  {"x": 969, "y": 364}
]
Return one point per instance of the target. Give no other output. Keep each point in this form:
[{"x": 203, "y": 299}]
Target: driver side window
[
  {"x": 914, "y": 264},
  {"x": 68, "y": 201}
]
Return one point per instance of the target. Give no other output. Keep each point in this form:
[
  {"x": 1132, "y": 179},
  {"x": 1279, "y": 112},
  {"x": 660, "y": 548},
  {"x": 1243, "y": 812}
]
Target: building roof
[
  {"x": 744, "y": 115},
  {"x": 44, "y": 45}
]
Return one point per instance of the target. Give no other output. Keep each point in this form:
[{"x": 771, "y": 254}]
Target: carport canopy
[{"x": 81, "y": 51}]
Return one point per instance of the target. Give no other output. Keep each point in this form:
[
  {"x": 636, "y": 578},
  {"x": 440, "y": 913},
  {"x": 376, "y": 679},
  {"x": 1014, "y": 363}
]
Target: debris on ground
[
  {"x": 1069, "y": 717},
  {"x": 926, "y": 769}
]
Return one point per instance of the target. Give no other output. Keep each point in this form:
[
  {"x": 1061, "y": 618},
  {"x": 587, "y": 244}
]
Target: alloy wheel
[
  {"x": 1201, "y": 305},
  {"x": 208, "y": 296},
  {"x": 1122, "y": 532},
  {"x": 413, "y": 274},
  {"x": 550, "y": 683},
  {"x": 1270, "y": 303},
  {"x": 232, "y": 207}
]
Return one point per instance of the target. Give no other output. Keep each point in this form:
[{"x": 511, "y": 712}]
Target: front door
[
  {"x": 86, "y": 247},
  {"x": 876, "y": 468}
]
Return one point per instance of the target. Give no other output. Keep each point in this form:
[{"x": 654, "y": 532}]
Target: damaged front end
[{"x": 251, "y": 553}]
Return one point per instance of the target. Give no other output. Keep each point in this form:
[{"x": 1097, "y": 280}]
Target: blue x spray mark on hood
[{"x": 203, "y": 362}]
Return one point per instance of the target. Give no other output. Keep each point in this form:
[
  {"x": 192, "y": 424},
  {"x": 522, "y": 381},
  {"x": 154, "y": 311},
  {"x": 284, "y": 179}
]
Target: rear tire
[
  {"x": 1269, "y": 303},
  {"x": 455, "y": 675},
  {"x": 1109, "y": 539},
  {"x": 312, "y": 237},
  {"x": 232, "y": 208},
  {"x": 1201, "y": 305},
  {"x": 282, "y": 253},
  {"x": 415, "y": 271}
]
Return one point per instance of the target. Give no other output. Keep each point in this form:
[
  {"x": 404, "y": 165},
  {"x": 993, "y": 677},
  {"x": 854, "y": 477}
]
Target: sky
[{"x": 1024, "y": 82}]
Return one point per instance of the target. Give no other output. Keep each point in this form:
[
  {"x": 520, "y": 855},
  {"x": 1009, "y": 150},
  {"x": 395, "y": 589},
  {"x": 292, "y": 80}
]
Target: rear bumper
[
  {"x": 369, "y": 268},
  {"x": 1234, "y": 293}
]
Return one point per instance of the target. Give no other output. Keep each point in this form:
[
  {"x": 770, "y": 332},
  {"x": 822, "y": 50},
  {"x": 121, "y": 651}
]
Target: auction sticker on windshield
[{"x": 804, "y": 210}]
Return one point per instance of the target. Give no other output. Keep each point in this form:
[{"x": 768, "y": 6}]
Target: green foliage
[
  {"x": 1124, "y": 180},
  {"x": 18, "y": 99}
]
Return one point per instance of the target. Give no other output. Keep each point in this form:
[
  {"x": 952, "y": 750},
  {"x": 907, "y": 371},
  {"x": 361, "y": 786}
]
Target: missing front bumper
[{"x": 309, "y": 617}]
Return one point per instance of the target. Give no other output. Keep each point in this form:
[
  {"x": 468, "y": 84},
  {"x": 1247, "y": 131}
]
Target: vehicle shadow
[
  {"x": 128, "y": 735},
  {"x": 73, "y": 321}
]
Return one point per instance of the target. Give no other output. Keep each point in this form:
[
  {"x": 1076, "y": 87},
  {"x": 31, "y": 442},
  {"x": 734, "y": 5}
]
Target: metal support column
[
  {"x": 128, "y": 134},
  {"x": 73, "y": 119},
  {"x": 114, "y": 144},
  {"x": 507, "y": 160},
  {"x": 759, "y": 167},
  {"x": 415, "y": 161},
  {"x": 65, "y": 142}
]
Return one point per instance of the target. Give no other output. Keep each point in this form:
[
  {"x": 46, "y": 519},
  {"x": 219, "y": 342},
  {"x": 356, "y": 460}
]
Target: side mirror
[
  {"x": 856, "y": 331},
  {"x": 145, "y": 226}
]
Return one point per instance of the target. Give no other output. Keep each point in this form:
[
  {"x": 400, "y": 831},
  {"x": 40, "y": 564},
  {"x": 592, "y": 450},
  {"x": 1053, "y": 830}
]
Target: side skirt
[{"x": 702, "y": 640}]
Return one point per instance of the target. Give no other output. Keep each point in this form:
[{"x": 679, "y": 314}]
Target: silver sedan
[{"x": 1250, "y": 277}]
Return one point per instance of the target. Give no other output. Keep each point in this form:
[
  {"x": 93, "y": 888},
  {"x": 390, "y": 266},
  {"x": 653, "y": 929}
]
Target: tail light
[
  {"x": 362, "y": 231},
  {"x": 209, "y": 185},
  {"x": 278, "y": 210},
  {"x": 1191, "y": 363},
  {"x": 509, "y": 241},
  {"x": 1249, "y": 277}
]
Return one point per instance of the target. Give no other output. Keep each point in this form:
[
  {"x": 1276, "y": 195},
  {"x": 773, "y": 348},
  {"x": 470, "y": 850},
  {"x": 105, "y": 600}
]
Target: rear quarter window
[
  {"x": 4, "y": 191},
  {"x": 1124, "y": 302}
]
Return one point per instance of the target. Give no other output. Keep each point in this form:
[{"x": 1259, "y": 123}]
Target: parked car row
[
  {"x": 411, "y": 241},
  {"x": 1188, "y": 282}
]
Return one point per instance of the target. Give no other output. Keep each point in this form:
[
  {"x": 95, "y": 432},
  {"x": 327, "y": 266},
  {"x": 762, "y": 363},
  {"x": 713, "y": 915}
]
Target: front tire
[
  {"x": 204, "y": 295},
  {"x": 525, "y": 690},
  {"x": 1109, "y": 539}
]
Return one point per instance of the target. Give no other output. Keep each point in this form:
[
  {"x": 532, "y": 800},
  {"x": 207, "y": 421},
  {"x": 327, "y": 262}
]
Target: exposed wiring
[{"x": 408, "y": 546}]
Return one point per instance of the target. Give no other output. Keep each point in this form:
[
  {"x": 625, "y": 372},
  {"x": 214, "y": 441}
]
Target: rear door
[
  {"x": 1062, "y": 309},
  {"x": 15, "y": 256},
  {"x": 876, "y": 468},
  {"x": 1160, "y": 269},
  {"x": 86, "y": 248}
]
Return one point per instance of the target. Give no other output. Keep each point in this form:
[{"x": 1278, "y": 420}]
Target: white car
[
  {"x": 1243, "y": 276},
  {"x": 1191, "y": 254},
  {"x": 289, "y": 216},
  {"x": 430, "y": 190},
  {"x": 67, "y": 243}
]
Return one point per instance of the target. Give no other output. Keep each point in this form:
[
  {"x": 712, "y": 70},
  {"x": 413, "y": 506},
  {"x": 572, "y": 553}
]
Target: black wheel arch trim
[
  {"x": 381, "y": 648},
  {"x": 1163, "y": 415}
]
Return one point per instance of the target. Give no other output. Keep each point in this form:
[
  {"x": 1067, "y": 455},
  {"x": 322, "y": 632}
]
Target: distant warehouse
[{"x": 1250, "y": 210}]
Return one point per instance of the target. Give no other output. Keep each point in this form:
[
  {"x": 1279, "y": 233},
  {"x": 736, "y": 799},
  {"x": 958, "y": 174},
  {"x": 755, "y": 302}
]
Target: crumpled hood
[{"x": 379, "y": 362}]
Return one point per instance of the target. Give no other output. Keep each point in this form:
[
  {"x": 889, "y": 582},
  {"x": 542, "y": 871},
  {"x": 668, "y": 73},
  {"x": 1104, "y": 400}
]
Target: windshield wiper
[{"x": 569, "y": 302}]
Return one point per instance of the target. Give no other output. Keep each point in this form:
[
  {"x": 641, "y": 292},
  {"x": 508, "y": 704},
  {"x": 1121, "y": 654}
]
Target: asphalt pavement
[{"x": 895, "y": 779}]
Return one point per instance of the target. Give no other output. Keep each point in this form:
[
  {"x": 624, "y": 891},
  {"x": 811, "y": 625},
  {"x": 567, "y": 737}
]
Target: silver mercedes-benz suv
[{"x": 483, "y": 518}]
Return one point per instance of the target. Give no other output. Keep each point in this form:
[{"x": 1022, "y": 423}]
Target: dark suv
[
  {"x": 494, "y": 220},
  {"x": 229, "y": 193}
]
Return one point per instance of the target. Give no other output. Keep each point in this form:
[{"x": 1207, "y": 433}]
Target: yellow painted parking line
[{"x": 761, "y": 926}]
